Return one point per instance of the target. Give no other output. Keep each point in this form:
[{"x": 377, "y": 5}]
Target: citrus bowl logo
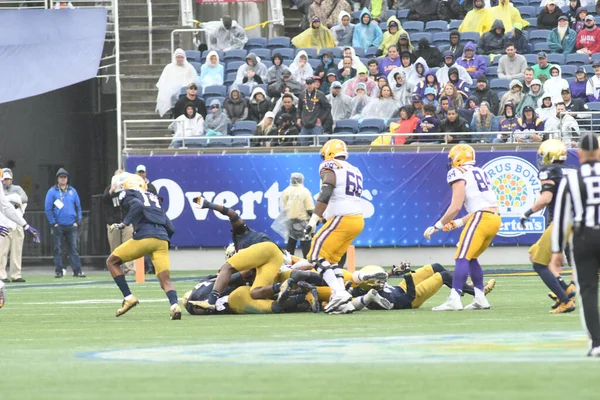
[{"x": 516, "y": 184}]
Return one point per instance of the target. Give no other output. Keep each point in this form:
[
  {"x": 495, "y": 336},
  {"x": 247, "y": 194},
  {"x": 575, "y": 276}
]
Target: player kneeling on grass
[
  {"x": 152, "y": 232},
  {"x": 471, "y": 187},
  {"x": 416, "y": 288}
]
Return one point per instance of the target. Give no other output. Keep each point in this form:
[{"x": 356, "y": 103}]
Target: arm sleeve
[
  {"x": 10, "y": 211},
  {"x": 411, "y": 291},
  {"x": 562, "y": 216},
  {"x": 49, "y": 208}
]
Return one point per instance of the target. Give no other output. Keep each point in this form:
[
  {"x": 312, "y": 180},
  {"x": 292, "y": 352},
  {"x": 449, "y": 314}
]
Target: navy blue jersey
[
  {"x": 250, "y": 238},
  {"x": 395, "y": 295},
  {"x": 554, "y": 172},
  {"x": 145, "y": 213},
  {"x": 205, "y": 286}
]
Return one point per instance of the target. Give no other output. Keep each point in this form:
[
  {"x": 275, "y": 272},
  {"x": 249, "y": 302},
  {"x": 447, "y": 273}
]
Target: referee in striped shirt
[{"x": 578, "y": 206}]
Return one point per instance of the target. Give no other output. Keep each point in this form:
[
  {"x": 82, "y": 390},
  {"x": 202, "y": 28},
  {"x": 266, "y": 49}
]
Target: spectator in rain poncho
[
  {"x": 406, "y": 64},
  {"x": 300, "y": 68},
  {"x": 327, "y": 62},
  {"x": 341, "y": 104},
  {"x": 370, "y": 86},
  {"x": 546, "y": 108},
  {"x": 212, "y": 71},
  {"x": 274, "y": 73},
  {"x": 449, "y": 62},
  {"x": 177, "y": 74},
  {"x": 227, "y": 35},
  {"x": 328, "y": 11},
  {"x": 216, "y": 121},
  {"x": 188, "y": 125},
  {"x": 360, "y": 101},
  {"x": 253, "y": 72},
  {"x": 342, "y": 32},
  {"x": 235, "y": 105},
  {"x": 258, "y": 105},
  {"x": 316, "y": 36},
  {"x": 421, "y": 69},
  {"x": 391, "y": 36},
  {"x": 531, "y": 98},
  {"x": 401, "y": 89},
  {"x": 350, "y": 52},
  {"x": 562, "y": 124},
  {"x": 479, "y": 19},
  {"x": 384, "y": 106},
  {"x": 430, "y": 81},
  {"x": 509, "y": 15},
  {"x": 367, "y": 32},
  {"x": 554, "y": 85},
  {"x": 514, "y": 95}
]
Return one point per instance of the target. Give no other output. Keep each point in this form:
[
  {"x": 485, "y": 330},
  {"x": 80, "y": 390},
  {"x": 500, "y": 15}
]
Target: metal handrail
[
  {"x": 149, "y": 4},
  {"x": 182, "y": 30}
]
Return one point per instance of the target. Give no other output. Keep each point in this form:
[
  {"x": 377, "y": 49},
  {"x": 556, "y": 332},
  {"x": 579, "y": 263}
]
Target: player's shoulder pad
[
  {"x": 455, "y": 174},
  {"x": 551, "y": 171},
  {"x": 330, "y": 165}
]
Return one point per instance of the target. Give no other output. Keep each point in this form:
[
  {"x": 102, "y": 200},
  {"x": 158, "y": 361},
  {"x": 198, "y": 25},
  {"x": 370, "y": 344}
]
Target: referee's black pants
[{"x": 586, "y": 251}]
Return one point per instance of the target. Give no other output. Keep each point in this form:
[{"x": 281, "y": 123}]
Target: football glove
[
  {"x": 525, "y": 218},
  {"x": 432, "y": 229},
  {"x": 33, "y": 232},
  {"x": 118, "y": 226},
  {"x": 452, "y": 225},
  {"x": 403, "y": 268},
  {"x": 200, "y": 202},
  {"x": 311, "y": 226}
]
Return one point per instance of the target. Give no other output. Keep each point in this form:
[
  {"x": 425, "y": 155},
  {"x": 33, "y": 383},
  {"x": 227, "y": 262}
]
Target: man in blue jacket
[{"x": 63, "y": 210}]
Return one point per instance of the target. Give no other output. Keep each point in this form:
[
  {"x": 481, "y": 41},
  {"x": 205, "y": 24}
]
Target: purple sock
[
  {"x": 461, "y": 272},
  {"x": 476, "y": 274}
]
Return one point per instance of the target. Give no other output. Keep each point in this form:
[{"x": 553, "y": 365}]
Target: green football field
[{"x": 60, "y": 340}]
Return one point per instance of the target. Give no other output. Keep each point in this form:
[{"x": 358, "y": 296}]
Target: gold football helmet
[
  {"x": 461, "y": 154},
  {"x": 551, "y": 151},
  {"x": 334, "y": 148},
  {"x": 127, "y": 181}
]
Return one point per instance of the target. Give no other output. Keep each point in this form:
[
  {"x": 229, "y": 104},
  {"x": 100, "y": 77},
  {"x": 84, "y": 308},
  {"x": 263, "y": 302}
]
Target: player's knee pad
[
  {"x": 322, "y": 265},
  {"x": 437, "y": 267}
]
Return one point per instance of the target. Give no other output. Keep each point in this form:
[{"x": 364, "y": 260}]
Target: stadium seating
[
  {"x": 235, "y": 55},
  {"x": 263, "y": 54},
  {"x": 469, "y": 37},
  {"x": 413, "y": 26},
  {"x": 212, "y": 91},
  {"x": 197, "y": 66},
  {"x": 539, "y": 36},
  {"x": 436, "y": 26},
  {"x": 346, "y": 126},
  {"x": 531, "y": 59},
  {"x": 314, "y": 62},
  {"x": 336, "y": 51},
  {"x": 537, "y": 47},
  {"x": 192, "y": 55},
  {"x": 527, "y": 12},
  {"x": 219, "y": 141},
  {"x": 532, "y": 22},
  {"x": 577, "y": 59},
  {"x": 359, "y": 51},
  {"x": 286, "y": 54},
  {"x": 230, "y": 78},
  {"x": 499, "y": 84},
  {"x": 207, "y": 100},
  {"x": 454, "y": 24},
  {"x": 595, "y": 57},
  {"x": 415, "y": 37},
  {"x": 356, "y": 16},
  {"x": 239, "y": 142},
  {"x": 256, "y": 43},
  {"x": 402, "y": 15},
  {"x": 372, "y": 124},
  {"x": 371, "y": 52},
  {"x": 243, "y": 128},
  {"x": 383, "y": 26},
  {"x": 279, "y": 42},
  {"x": 491, "y": 72},
  {"x": 310, "y": 52},
  {"x": 441, "y": 39},
  {"x": 568, "y": 71},
  {"x": 245, "y": 90},
  {"x": 233, "y": 66}
]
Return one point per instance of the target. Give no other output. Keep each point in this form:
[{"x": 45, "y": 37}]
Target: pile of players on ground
[{"x": 347, "y": 71}]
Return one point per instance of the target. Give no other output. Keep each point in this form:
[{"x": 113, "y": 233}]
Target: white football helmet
[{"x": 229, "y": 251}]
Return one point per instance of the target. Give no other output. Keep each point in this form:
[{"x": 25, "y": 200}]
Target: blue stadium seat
[
  {"x": 532, "y": 23},
  {"x": 527, "y": 12},
  {"x": 243, "y": 128},
  {"x": 264, "y": 54},
  {"x": 372, "y": 51},
  {"x": 389, "y": 14},
  {"x": 593, "y": 105},
  {"x": 543, "y": 46},
  {"x": 434, "y": 69},
  {"x": 310, "y": 52},
  {"x": 256, "y": 43},
  {"x": 597, "y": 19},
  {"x": 314, "y": 62},
  {"x": 263, "y": 86},
  {"x": 486, "y": 59},
  {"x": 346, "y": 126},
  {"x": 520, "y": 3},
  {"x": 383, "y": 26},
  {"x": 531, "y": 59},
  {"x": 197, "y": 66},
  {"x": 279, "y": 42},
  {"x": 364, "y": 60},
  {"x": 577, "y": 59},
  {"x": 356, "y": 16},
  {"x": 337, "y": 52},
  {"x": 208, "y": 100},
  {"x": 219, "y": 141},
  {"x": 415, "y": 37},
  {"x": 454, "y": 24},
  {"x": 233, "y": 66},
  {"x": 539, "y": 9},
  {"x": 192, "y": 55},
  {"x": 469, "y": 37},
  {"x": 205, "y": 54},
  {"x": 372, "y": 124},
  {"x": 441, "y": 39},
  {"x": 535, "y": 3},
  {"x": 589, "y": 69},
  {"x": 183, "y": 91},
  {"x": 591, "y": 8},
  {"x": 402, "y": 14},
  {"x": 596, "y": 57},
  {"x": 363, "y": 140},
  {"x": 491, "y": 72},
  {"x": 245, "y": 90},
  {"x": 568, "y": 71},
  {"x": 436, "y": 26},
  {"x": 501, "y": 93},
  {"x": 495, "y": 61},
  {"x": 539, "y": 36},
  {"x": 359, "y": 51},
  {"x": 267, "y": 63},
  {"x": 499, "y": 84},
  {"x": 286, "y": 54},
  {"x": 413, "y": 26},
  {"x": 235, "y": 55},
  {"x": 214, "y": 91},
  {"x": 239, "y": 142},
  {"x": 555, "y": 58},
  {"x": 230, "y": 78}
]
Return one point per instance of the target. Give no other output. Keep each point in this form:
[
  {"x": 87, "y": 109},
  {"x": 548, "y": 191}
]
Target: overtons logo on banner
[{"x": 517, "y": 186}]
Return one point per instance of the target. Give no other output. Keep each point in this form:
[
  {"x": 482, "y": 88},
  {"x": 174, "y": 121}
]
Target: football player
[
  {"x": 471, "y": 187},
  {"x": 551, "y": 158},
  {"x": 152, "y": 233},
  {"x": 339, "y": 204},
  {"x": 9, "y": 219}
]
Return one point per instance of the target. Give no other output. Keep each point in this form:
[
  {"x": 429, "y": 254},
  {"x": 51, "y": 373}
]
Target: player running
[
  {"x": 551, "y": 158},
  {"x": 339, "y": 204},
  {"x": 152, "y": 231},
  {"x": 471, "y": 187}
]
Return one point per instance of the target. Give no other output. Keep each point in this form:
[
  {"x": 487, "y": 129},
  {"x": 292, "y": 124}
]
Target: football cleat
[
  {"x": 346, "y": 308},
  {"x": 374, "y": 297},
  {"x": 451, "y": 304},
  {"x": 480, "y": 303},
  {"x": 564, "y": 308},
  {"x": 1, "y": 296},
  {"x": 284, "y": 290},
  {"x": 571, "y": 290},
  {"x": 204, "y": 305},
  {"x": 127, "y": 305},
  {"x": 594, "y": 352},
  {"x": 176, "y": 312},
  {"x": 337, "y": 300},
  {"x": 315, "y": 304},
  {"x": 489, "y": 286}
]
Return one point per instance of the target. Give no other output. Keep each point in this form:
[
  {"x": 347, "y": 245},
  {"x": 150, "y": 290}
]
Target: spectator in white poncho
[
  {"x": 177, "y": 74},
  {"x": 253, "y": 72},
  {"x": 300, "y": 68}
]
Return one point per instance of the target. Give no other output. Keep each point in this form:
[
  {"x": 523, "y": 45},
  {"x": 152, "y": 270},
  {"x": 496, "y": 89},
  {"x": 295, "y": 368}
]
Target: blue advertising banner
[{"x": 403, "y": 193}]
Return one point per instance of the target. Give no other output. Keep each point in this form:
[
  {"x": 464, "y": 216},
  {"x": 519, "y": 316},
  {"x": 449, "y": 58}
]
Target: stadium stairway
[
  {"x": 293, "y": 19},
  {"x": 138, "y": 78}
]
